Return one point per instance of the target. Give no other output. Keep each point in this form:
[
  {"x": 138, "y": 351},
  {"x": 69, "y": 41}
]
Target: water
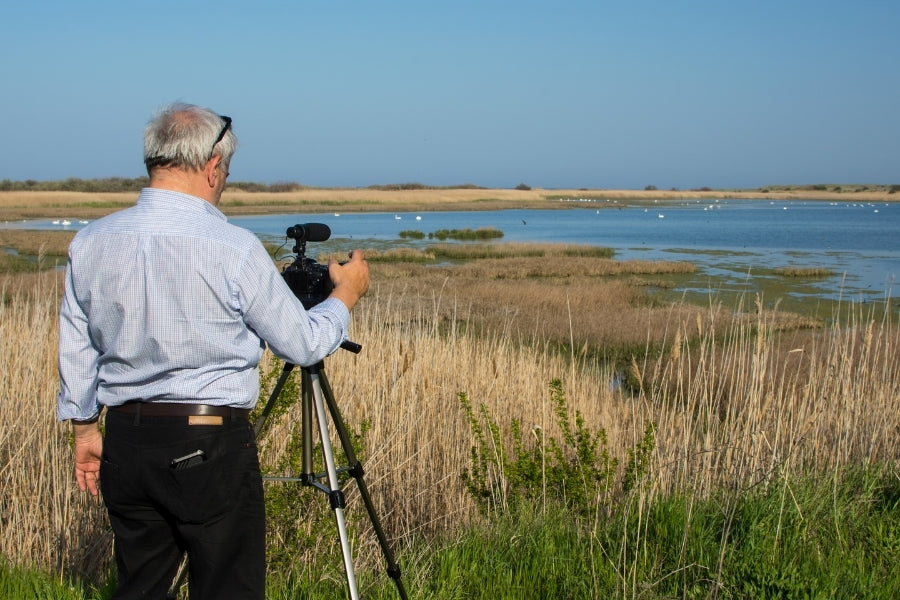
[
  {"x": 734, "y": 239},
  {"x": 857, "y": 242}
]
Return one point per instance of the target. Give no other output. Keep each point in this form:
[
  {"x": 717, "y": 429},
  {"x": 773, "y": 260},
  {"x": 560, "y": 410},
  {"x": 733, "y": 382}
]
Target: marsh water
[
  {"x": 858, "y": 243},
  {"x": 734, "y": 240}
]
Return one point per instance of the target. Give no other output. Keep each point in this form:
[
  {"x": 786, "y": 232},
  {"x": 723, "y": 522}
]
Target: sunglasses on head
[{"x": 222, "y": 133}]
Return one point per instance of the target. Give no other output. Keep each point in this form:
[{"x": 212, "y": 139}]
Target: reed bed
[
  {"x": 741, "y": 407},
  {"x": 732, "y": 407},
  {"x": 50, "y": 243},
  {"x": 807, "y": 272},
  {"x": 600, "y": 306},
  {"x": 515, "y": 249},
  {"x": 46, "y": 523},
  {"x": 735, "y": 405},
  {"x": 34, "y": 204},
  {"x": 84, "y": 205}
]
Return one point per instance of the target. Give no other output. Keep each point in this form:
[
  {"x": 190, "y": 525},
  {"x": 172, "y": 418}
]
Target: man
[{"x": 166, "y": 311}]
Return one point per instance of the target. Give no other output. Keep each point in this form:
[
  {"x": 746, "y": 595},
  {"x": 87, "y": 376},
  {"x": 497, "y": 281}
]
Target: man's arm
[
  {"x": 77, "y": 396},
  {"x": 274, "y": 313}
]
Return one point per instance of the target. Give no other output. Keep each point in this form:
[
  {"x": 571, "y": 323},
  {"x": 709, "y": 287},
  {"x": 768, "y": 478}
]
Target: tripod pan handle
[{"x": 351, "y": 346}]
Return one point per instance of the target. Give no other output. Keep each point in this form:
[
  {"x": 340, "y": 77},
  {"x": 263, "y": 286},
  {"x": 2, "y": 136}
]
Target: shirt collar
[{"x": 154, "y": 197}]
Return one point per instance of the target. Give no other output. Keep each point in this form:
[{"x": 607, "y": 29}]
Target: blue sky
[{"x": 560, "y": 94}]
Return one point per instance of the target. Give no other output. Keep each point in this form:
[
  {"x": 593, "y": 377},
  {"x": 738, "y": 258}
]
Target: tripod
[{"x": 316, "y": 394}]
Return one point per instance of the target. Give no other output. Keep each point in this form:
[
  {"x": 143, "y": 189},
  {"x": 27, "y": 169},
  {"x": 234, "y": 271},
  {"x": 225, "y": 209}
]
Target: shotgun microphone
[{"x": 309, "y": 232}]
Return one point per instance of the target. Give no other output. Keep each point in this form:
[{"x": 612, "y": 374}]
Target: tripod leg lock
[{"x": 337, "y": 499}]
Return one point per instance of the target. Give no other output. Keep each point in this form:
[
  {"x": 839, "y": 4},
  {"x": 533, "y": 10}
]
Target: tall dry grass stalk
[
  {"x": 740, "y": 408},
  {"x": 732, "y": 407},
  {"x": 45, "y": 522}
]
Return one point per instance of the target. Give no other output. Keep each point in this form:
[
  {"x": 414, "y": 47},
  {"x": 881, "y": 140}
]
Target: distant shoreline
[{"x": 17, "y": 205}]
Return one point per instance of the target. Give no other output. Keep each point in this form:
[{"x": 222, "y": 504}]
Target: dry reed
[{"x": 46, "y": 523}]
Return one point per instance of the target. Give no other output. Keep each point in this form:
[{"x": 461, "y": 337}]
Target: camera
[{"x": 308, "y": 279}]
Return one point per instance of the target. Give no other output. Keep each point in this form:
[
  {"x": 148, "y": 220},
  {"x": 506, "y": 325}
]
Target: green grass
[
  {"x": 14, "y": 263},
  {"x": 18, "y": 583},
  {"x": 810, "y": 537},
  {"x": 827, "y": 535}
]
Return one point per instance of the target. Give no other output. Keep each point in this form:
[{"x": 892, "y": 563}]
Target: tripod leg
[
  {"x": 270, "y": 404},
  {"x": 356, "y": 470},
  {"x": 336, "y": 496},
  {"x": 307, "y": 397}
]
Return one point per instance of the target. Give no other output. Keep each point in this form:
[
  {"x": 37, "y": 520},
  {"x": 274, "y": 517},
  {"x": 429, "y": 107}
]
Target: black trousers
[{"x": 213, "y": 509}]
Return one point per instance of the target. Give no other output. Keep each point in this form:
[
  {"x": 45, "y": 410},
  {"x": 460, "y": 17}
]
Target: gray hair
[{"x": 184, "y": 136}]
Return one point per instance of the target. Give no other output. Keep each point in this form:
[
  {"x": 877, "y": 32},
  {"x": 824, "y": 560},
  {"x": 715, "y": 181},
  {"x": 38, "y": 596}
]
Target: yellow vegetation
[
  {"x": 90, "y": 205},
  {"x": 736, "y": 401}
]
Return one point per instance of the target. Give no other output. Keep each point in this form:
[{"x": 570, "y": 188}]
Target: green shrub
[
  {"x": 639, "y": 458},
  {"x": 576, "y": 470}
]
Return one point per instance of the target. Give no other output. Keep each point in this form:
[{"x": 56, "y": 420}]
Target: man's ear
[{"x": 211, "y": 170}]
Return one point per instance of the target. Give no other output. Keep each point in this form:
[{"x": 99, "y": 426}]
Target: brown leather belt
[{"x": 179, "y": 409}]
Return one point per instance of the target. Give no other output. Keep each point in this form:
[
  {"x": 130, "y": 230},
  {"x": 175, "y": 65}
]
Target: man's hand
[
  {"x": 351, "y": 280},
  {"x": 88, "y": 449}
]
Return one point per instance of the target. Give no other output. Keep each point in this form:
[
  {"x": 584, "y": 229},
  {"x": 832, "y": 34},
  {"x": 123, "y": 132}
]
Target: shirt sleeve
[
  {"x": 272, "y": 310},
  {"x": 78, "y": 359}
]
